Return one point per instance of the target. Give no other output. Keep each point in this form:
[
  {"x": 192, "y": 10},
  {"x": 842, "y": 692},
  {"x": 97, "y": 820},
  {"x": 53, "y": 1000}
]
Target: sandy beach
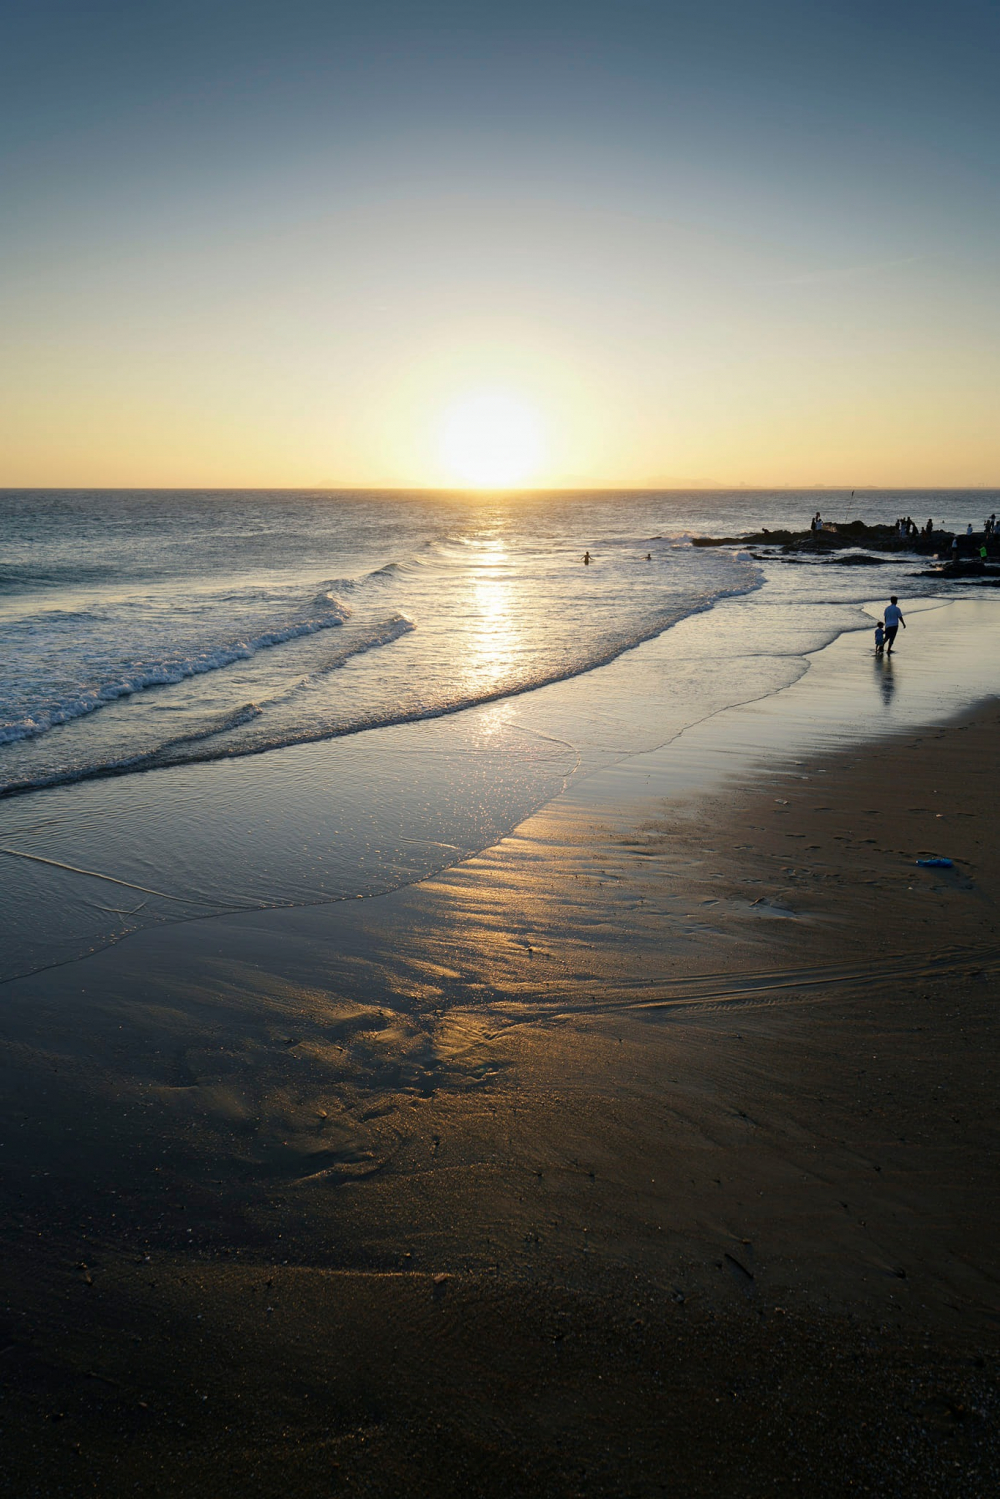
[{"x": 635, "y": 1155}]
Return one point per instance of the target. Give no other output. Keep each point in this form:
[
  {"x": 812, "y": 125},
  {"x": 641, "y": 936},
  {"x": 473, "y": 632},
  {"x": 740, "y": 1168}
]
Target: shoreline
[
  {"x": 592, "y": 1100},
  {"x": 558, "y": 739}
]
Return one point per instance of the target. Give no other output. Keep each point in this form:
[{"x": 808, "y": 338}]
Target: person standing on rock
[{"x": 893, "y": 620}]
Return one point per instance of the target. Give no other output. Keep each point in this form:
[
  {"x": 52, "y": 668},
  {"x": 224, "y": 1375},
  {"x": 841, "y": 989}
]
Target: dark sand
[{"x": 650, "y": 1161}]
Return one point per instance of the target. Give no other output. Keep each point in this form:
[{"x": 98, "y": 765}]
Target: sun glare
[{"x": 491, "y": 440}]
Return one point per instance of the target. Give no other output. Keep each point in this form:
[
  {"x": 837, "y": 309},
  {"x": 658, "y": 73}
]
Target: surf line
[{"x": 16, "y": 853}]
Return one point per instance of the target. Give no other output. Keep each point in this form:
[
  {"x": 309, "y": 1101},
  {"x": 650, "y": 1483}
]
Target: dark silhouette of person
[{"x": 893, "y": 620}]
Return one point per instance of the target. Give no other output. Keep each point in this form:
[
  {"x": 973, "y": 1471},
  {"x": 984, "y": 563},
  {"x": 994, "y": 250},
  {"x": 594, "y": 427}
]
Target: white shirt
[{"x": 893, "y": 614}]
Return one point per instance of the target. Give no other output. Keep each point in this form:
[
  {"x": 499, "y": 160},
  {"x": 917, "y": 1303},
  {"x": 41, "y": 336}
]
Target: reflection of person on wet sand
[
  {"x": 586, "y": 559},
  {"x": 886, "y": 682}
]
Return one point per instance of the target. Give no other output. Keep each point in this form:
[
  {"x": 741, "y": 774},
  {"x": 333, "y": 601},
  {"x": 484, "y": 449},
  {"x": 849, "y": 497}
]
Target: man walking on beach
[{"x": 893, "y": 620}]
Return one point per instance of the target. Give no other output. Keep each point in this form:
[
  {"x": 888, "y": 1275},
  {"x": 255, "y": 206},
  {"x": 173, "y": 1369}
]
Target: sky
[{"x": 582, "y": 244}]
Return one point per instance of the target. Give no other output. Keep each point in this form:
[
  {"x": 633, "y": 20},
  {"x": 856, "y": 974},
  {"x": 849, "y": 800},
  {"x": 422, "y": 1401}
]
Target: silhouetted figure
[
  {"x": 586, "y": 559},
  {"x": 893, "y": 620}
]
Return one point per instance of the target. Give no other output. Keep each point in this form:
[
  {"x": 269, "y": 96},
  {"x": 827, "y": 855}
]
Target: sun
[{"x": 491, "y": 440}]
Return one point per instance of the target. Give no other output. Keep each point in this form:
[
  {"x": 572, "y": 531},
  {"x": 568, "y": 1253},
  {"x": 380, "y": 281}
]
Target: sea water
[{"x": 217, "y": 701}]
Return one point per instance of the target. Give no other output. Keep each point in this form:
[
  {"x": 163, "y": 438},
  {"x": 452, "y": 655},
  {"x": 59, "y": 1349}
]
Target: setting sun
[{"x": 491, "y": 440}]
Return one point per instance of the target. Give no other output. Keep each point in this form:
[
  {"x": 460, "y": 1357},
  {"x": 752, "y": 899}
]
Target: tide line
[{"x": 94, "y": 874}]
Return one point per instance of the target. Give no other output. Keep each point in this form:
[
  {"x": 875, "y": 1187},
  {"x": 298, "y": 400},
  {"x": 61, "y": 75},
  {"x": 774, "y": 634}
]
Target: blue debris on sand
[{"x": 937, "y": 863}]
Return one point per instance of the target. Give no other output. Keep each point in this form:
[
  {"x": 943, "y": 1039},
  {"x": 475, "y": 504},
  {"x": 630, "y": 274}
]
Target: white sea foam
[
  {"x": 168, "y": 671},
  {"x": 207, "y": 739}
]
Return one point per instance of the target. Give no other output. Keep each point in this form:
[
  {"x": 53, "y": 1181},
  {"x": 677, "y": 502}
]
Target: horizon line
[{"x": 440, "y": 489}]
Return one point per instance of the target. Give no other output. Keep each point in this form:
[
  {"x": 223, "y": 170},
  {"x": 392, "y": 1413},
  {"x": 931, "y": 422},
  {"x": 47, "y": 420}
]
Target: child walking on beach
[{"x": 879, "y": 637}]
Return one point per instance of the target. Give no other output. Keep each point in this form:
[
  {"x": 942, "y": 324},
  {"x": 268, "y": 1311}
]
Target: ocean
[{"x": 227, "y": 700}]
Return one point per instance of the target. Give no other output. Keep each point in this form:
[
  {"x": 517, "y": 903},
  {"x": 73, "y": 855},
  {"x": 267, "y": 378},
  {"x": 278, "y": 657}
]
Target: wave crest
[{"x": 166, "y": 672}]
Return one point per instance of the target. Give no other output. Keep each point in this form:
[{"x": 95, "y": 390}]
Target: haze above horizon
[{"x": 457, "y": 245}]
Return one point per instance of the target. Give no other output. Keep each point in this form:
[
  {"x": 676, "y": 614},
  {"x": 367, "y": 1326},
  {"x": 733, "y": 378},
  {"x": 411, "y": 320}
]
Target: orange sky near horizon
[{"x": 637, "y": 247}]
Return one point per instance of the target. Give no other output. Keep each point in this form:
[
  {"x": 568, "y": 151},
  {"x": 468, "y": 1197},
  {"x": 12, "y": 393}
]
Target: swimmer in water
[
  {"x": 586, "y": 559},
  {"x": 649, "y": 556}
]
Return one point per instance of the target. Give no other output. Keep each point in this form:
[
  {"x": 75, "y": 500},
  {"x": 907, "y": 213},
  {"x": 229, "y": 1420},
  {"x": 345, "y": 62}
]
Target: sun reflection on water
[{"x": 495, "y": 638}]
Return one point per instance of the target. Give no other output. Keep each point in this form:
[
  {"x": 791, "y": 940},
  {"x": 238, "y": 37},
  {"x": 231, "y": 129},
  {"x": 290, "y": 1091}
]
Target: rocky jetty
[{"x": 859, "y": 541}]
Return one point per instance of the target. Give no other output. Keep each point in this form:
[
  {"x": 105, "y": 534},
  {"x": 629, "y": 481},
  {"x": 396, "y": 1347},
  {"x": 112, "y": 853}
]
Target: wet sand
[{"x": 635, "y": 1156}]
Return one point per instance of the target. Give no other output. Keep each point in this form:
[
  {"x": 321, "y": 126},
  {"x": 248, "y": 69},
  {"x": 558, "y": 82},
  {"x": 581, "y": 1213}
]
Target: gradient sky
[{"x": 271, "y": 243}]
